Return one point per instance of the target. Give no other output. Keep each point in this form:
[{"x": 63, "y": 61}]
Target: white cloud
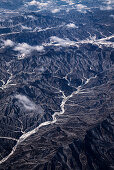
[
  {"x": 31, "y": 17},
  {"x": 33, "y": 2},
  {"x": 61, "y": 42},
  {"x": 71, "y": 25},
  {"x": 112, "y": 16},
  {"x": 39, "y": 4},
  {"x": 25, "y": 49},
  {"x": 25, "y": 27},
  {"x": 28, "y": 104},
  {"x": 70, "y": 2},
  {"x": 99, "y": 42},
  {"x": 107, "y": 5},
  {"x": 81, "y": 8},
  {"x": 103, "y": 8},
  {"x": 55, "y": 11},
  {"x": 56, "y": 41},
  {"x": 8, "y": 43},
  {"x": 109, "y": 2}
]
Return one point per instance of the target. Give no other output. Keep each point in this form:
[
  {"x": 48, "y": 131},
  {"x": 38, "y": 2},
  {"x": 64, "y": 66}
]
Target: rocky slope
[{"x": 56, "y": 86}]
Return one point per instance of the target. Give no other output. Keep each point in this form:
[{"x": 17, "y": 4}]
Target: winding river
[{"x": 54, "y": 120}]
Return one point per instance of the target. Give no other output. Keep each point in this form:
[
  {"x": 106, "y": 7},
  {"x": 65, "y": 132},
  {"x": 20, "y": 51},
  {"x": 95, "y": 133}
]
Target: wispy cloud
[
  {"x": 107, "y": 5},
  {"x": 27, "y": 104},
  {"x": 8, "y": 43},
  {"x": 31, "y": 17},
  {"x": 25, "y": 27},
  {"x": 61, "y": 42},
  {"x": 103, "y": 8},
  {"x": 55, "y": 11},
  {"x": 38, "y": 4},
  {"x": 56, "y": 41},
  {"x": 71, "y": 25},
  {"x": 70, "y": 2},
  {"x": 82, "y": 8},
  {"x": 25, "y": 49},
  {"x": 112, "y": 16}
]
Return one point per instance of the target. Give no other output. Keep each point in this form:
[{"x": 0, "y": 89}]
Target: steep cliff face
[{"x": 56, "y": 85}]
